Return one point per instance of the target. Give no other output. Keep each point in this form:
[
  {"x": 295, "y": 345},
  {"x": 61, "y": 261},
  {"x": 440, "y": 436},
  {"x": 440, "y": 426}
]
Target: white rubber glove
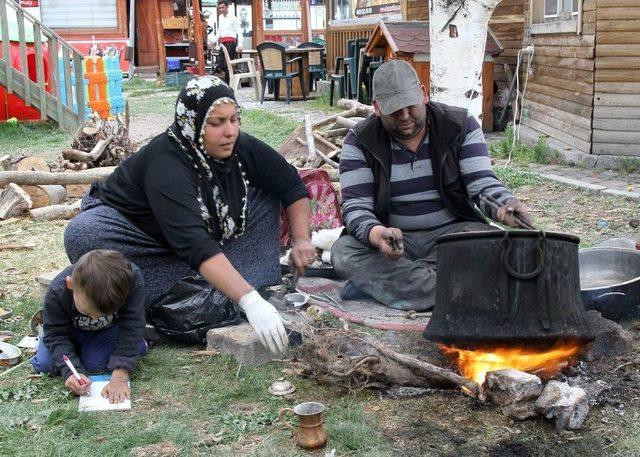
[{"x": 266, "y": 322}]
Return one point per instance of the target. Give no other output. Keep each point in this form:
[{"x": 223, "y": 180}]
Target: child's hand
[
  {"x": 117, "y": 390},
  {"x": 72, "y": 385}
]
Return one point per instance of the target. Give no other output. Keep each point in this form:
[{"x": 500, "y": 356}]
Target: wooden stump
[
  {"x": 77, "y": 190},
  {"x": 13, "y": 201},
  {"x": 46, "y": 195}
]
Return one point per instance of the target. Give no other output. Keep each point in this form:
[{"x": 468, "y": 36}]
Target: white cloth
[
  {"x": 266, "y": 322},
  {"x": 228, "y": 26}
]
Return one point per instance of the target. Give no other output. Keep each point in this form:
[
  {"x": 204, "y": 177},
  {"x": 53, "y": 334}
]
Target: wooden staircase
[{"x": 42, "y": 95}]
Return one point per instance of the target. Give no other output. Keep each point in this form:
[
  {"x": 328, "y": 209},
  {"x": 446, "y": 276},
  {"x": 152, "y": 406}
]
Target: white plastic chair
[{"x": 235, "y": 78}]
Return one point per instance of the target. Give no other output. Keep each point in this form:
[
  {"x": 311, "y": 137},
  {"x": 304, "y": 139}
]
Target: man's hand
[
  {"x": 388, "y": 240},
  {"x": 302, "y": 254},
  {"x": 118, "y": 389},
  {"x": 72, "y": 384},
  {"x": 512, "y": 207},
  {"x": 266, "y": 322},
  {"x": 238, "y": 50}
]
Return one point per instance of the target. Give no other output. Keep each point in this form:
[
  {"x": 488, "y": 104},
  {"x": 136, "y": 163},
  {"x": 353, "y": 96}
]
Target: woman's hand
[
  {"x": 302, "y": 254},
  {"x": 266, "y": 322}
]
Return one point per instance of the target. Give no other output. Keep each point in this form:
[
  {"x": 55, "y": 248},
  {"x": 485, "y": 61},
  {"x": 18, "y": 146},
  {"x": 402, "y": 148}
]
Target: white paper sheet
[{"x": 96, "y": 402}]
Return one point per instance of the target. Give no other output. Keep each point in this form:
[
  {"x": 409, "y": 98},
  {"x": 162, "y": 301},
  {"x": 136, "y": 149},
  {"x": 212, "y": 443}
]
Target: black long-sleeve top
[
  {"x": 157, "y": 190},
  {"x": 61, "y": 315}
]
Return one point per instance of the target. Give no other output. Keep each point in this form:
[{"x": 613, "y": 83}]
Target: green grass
[
  {"x": 519, "y": 151},
  {"x": 269, "y": 127},
  {"x": 514, "y": 179},
  {"x": 33, "y": 138}
]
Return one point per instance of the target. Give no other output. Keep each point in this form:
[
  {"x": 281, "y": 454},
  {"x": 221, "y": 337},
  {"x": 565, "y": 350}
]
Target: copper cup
[{"x": 311, "y": 433}]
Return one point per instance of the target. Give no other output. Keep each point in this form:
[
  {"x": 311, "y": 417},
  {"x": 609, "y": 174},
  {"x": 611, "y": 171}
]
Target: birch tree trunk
[{"x": 458, "y": 32}]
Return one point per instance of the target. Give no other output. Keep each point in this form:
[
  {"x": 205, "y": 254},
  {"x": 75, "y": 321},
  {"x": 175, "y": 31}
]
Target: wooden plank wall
[
  {"x": 616, "y": 111},
  {"x": 507, "y": 25},
  {"x": 559, "y": 96},
  {"x": 417, "y": 10}
]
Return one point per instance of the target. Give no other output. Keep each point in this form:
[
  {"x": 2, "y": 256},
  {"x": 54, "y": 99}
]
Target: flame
[{"x": 475, "y": 364}]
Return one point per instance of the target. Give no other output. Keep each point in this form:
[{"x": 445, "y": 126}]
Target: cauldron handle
[{"x": 541, "y": 247}]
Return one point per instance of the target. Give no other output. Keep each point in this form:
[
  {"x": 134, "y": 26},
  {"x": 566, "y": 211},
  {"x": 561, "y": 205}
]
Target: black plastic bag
[{"x": 190, "y": 308}]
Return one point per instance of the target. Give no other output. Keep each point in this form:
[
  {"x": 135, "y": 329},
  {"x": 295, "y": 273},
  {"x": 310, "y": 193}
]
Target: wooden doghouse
[{"x": 409, "y": 40}]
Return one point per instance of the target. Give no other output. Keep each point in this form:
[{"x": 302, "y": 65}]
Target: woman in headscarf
[{"x": 202, "y": 197}]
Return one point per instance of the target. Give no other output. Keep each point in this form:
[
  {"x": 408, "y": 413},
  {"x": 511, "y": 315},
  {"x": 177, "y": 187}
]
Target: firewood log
[
  {"x": 76, "y": 155},
  {"x": 98, "y": 149},
  {"x": 324, "y": 158},
  {"x": 77, "y": 190},
  {"x": 35, "y": 178},
  {"x": 46, "y": 194},
  {"x": 345, "y": 122},
  {"x": 31, "y": 163},
  {"x": 13, "y": 201},
  {"x": 349, "y": 104},
  {"x": 311, "y": 147},
  {"x": 339, "y": 132},
  {"x": 53, "y": 212}
]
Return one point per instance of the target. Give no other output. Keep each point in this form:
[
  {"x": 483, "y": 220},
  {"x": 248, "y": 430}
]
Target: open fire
[{"x": 475, "y": 364}]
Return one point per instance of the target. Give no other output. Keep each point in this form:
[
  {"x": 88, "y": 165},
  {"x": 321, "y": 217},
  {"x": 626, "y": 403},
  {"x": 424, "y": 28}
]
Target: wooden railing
[{"x": 35, "y": 90}]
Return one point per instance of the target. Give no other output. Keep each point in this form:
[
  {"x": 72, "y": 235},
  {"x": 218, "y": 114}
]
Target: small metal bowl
[
  {"x": 5, "y": 313},
  {"x": 296, "y": 299},
  {"x": 9, "y": 354},
  {"x": 281, "y": 387}
]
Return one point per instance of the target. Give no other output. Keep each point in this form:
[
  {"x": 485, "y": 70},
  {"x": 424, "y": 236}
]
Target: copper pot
[{"x": 311, "y": 433}]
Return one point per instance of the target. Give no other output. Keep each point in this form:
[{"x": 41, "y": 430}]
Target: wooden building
[{"x": 585, "y": 87}]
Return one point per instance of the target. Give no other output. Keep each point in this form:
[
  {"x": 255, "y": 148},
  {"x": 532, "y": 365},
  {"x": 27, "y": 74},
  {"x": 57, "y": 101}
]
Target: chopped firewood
[
  {"x": 334, "y": 132},
  {"x": 53, "y": 212},
  {"x": 96, "y": 143},
  {"x": 77, "y": 190},
  {"x": 35, "y": 178},
  {"x": 13, "y": 201},
  {"x": 31, "y": 163},
  {"x": 346, "y": 103},
  {"x": 45, "y": 195},
  {"x": 354, "y": 359},
  {"x": 16, "y": 246},
  {"x": 324, "y": 158},
  {"x": 308, "y": 132}
]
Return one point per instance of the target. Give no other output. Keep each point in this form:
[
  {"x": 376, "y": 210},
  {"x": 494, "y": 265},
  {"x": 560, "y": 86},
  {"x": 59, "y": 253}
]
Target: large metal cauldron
[
  {"x": 508, "y": 287},
  {"x": 610, "y": 281}
]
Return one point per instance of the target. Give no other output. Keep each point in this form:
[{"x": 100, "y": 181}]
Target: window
[
  {"x": 87, "y": 14},
  {"x": 554, "y": 16},
  {"x": 557, "y": 8}
]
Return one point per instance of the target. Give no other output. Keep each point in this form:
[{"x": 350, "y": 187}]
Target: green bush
[{"x": 508, "y": 146}]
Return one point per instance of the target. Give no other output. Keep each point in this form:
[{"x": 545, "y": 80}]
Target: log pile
[
  {"x": 96, "y": 143},
  {"x": 319, "y": 144}
]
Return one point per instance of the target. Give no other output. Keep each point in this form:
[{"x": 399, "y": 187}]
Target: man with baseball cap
[{"x": 411, "y": 172}]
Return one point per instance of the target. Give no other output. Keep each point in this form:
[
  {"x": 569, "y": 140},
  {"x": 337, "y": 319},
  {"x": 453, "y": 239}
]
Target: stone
[
  {"x": 568, "y": 405},
  {"x": 521, "y": 410},
  {"x": 609, "y": 338},
  {"x": 622, "y": 193},
  {"x": 241, "y": 342},
  {"x": 505, "y": 387},
  {"x": 594, "y": 390},
  {"x": 44, "y": 280}
]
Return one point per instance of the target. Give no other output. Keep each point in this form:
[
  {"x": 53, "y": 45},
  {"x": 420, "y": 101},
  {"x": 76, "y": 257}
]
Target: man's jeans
[
  {"x": 407, "y": 283},
  {"x": 93, "y": 347}
]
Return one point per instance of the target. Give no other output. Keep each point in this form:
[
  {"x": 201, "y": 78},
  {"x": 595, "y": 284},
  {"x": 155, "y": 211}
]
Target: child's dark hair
[{"x": 105, "y": 277}]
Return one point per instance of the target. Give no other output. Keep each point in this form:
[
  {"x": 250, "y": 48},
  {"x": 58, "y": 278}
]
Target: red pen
[{"x": 81, "y": 381}]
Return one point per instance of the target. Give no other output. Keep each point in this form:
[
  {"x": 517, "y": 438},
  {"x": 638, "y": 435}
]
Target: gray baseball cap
[{"x": 395, "y": 86}]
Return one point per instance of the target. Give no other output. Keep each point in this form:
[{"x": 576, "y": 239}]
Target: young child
[{"x": 94, "y": 314}]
